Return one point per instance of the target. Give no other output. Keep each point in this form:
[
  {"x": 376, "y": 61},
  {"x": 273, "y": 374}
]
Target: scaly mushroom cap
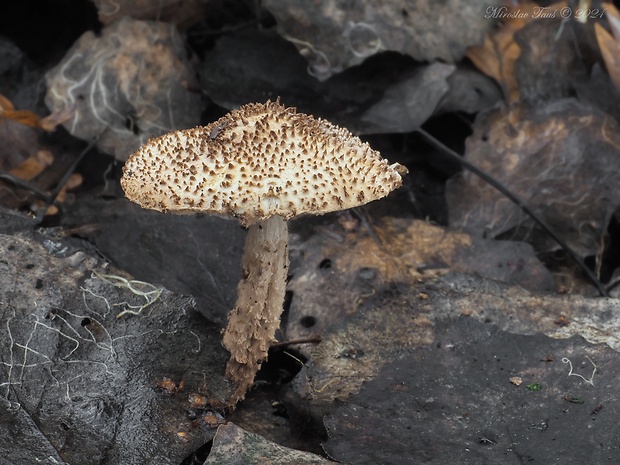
[{"x": 258, "y": 161}]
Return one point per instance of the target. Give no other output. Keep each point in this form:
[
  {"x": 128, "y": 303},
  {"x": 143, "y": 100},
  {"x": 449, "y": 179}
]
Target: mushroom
[{"x": 262, "y": 164}]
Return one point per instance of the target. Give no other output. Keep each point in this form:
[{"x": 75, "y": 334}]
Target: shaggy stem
[{"x": 253, "y": 322}]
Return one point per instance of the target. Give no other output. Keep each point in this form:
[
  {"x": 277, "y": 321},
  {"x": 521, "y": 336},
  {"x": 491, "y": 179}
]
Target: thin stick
[
  {"x": 308, "y": 340},
  {"x": 22, "y": 184},
  {"x": 61, "y": 184}
]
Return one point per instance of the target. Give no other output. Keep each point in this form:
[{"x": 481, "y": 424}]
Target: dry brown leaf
[
  {"x": 497, "y": 56},
  {"x": 50, "y": 122},
  {"x": 29, "y": 118},
  {"x": 33, "y": 165},
  {"x": 25, "y": 117},
  {"x": 614, "y": 18},
  {"x": 5, "y": 104},
  {"x": 7, "y": 110},
  {"x": 74, "y": 181},
  {"x": 610, "y": 44}
]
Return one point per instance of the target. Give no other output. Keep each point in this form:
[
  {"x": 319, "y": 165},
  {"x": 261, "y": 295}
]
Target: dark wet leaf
[
  {"x": 264, "y": 413},
  {"x": 193, "y": 255},
  {"x": 550, "y": 156},
  {"x": 235, "y": 446},
  {"x": 256, "y": 65},
  {"x": 407, "y": 103},
  {"x": 179, "y": 12},
  {"x": 599, "y": 92},
  {"x": 469, "y": 91},
  {"x": 391, "y": 320},
  {"x": 334, "y": 36},
  {"x": 86, "y": 354},
  {"x": 10, "y": 56},
  {"x": 549, "y": 62},
  {"x": 131, "y": 83},
  {"x": 339, "y": 271},
  {"x": 12, "y": 222},
  {"x": 453, "y": 402},
  {"x": 534, "y": 54},
  {"x": 387, "y": 93}
]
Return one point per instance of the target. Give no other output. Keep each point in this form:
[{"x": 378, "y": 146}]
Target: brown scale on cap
[{"x": 258, "y": 161}]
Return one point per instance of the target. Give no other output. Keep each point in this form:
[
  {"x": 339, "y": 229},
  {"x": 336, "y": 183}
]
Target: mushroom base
[{"x": 253, "y": 322}]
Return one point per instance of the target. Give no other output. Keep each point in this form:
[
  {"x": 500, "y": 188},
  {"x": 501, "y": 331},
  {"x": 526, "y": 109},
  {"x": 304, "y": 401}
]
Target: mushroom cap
[{"x": 255, "y": 162}]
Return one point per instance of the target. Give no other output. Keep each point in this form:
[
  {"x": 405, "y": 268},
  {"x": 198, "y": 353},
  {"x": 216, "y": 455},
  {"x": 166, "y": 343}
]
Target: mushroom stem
[{"x": 253, "y": 322}]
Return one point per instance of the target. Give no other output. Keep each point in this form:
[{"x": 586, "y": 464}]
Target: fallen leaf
[
  {"x": 610, "y": 44},
  {"x": 235, "y": 446},
  {"x": 386, "y": 93},
  {"x": 613, "y": 16},
  {"x": 19, "y": 142},
  {"x": 24, "y": 117},
  {"x": 341, "y": 293},
  {"x": 193, "y": 256},
  {"x": 5, "y": 104},
  {"x": 28, "y": 118},
  {"x": 407, "y": 103},
  {"x": 554, "y": 55},
  {"x": 496, "y": 58},
  {"x": 128, "y": 84},
  {"x": 470, "y": 92},
  {"x": 253, "y": 65},
  {"x": 449, "y": 402},
  {"x": 340, "y": 270},
  {"x": 78, "y": 383},
  {"x": 74, "y": 181},
  {"x": 334, "y": 36},
  {"x": 50, "y": 123},
  {"x": 498, "y": 55},
  {"x": 183, "y": 13},
  {"x": 550, "y": 156},
  {"x": 33, "y": 165},
  {"x": 599, "y": 91}
]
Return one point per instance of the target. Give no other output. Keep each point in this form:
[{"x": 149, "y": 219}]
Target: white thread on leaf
[{"x": 570, "y": 373}]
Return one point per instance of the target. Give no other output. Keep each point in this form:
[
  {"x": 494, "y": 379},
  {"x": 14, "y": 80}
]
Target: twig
[
  {"x": 25, "y": 185},
  {"x": 51, "y": 198},
  {"x": 308, "y": 340}
]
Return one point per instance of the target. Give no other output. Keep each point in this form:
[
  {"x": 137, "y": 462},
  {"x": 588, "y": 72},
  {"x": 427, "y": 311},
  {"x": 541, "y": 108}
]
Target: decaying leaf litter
[{"x": 424, "y": 330}]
